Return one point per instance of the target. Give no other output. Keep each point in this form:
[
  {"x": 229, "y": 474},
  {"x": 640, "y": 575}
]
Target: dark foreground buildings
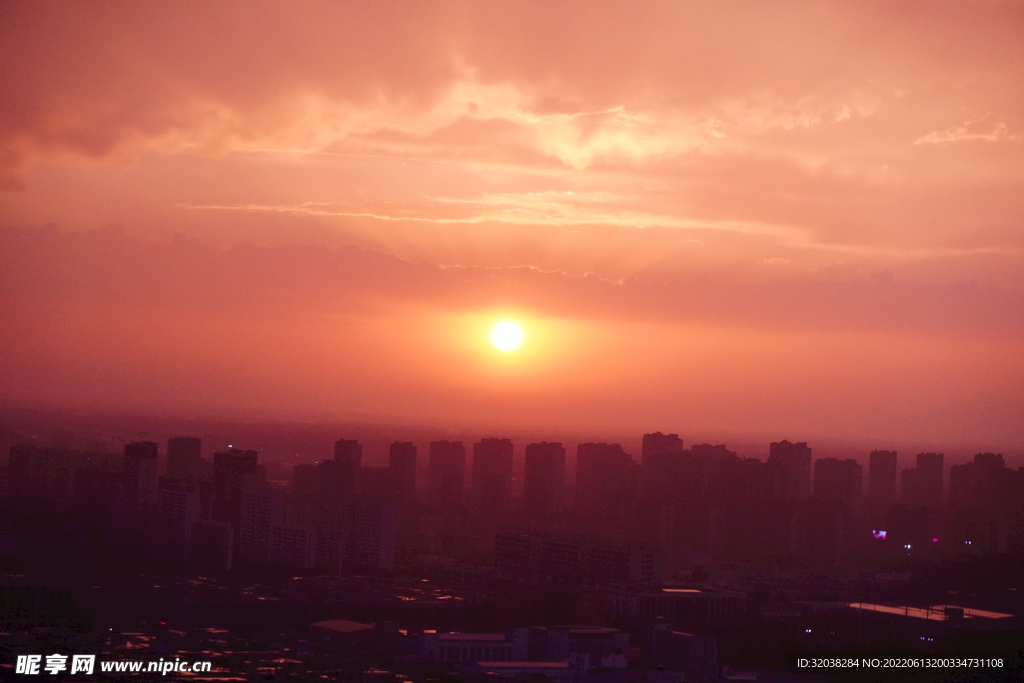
[{"x": 685, "y": 565}]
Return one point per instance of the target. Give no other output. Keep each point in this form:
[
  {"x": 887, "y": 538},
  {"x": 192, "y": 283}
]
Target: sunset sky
[{"x": 790, "y": 218}]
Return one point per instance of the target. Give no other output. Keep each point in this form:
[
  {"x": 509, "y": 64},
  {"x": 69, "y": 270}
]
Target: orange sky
[{"x": 787, "y": 218}]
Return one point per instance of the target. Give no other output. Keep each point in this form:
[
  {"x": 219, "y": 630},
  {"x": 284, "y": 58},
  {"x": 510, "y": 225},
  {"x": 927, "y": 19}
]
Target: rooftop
[
  {"x": 473, "y": 636},
  {"x": 933, "y": 613},
  {"x": 524, "y": 665},
  {"x": 342, "y": 625}
]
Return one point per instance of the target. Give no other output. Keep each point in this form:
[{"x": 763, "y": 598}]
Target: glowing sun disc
[{"x": 506, "y": 336}]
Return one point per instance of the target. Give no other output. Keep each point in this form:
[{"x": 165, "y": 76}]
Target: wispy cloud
[
  {"x": 987, "y": 128},
  {"x": 574, "y": 209},
  {"x": 555, "y": 209}
]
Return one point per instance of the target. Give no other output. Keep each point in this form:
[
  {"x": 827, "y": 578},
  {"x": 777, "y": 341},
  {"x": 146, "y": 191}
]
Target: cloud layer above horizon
[{"x": 806, "y": 180}]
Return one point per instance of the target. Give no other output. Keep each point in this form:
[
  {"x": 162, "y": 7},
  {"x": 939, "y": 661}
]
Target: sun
[{"x": 506, "y": 336}]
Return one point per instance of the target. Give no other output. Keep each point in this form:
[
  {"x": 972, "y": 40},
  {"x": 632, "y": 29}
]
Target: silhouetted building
[
  {"x": 913, "y": 528},
  {"x": 544, "y": 478},
  {"x": 178, "y": 508},
  {"x": 504, "y": 671},
  {"x": 140, "y": 474},
  {"x": 657, "y": 445},
  {"x": 336, "y": 493},
  {"x": 460, "y": 648},
  {"x": 796, "y": 458},
  {"x": 882, "y": 476},
  {"x": 371, "y": 541},
  {"x": 743, "y": 480},
  {"x": 230, "y": 470},
  {"x": 712, "y": 452},
  {"x": 838, "y": 480},
  {"x": 492, "y": 476},
  {"x": 547, "y": 605},
  {"x": 446, "y": 473},
  {"x": 923, "y": 484},
  {"x": 752, "y": 530},
  {"x": 980, "y": 484},
  {"x": 669, "y": 472},
  {"x": 348, "y": 455},
  {"x": 402, "y": 463},
  {"x": 695, "y": 656},
  {"x": 49, "y": 473},
  {"x": 212, "y": 546},
  {"x": 99, "y": 500},
  {"x": 184, "y": 456},
  {"x": 27, "y": 472},
  {"x": 292, "y": 545},
  {"x": 605, "y": 479},
  {"x": 692, "y": 609},
  {"x": 984, "y": 510},
  {"x": 820, "y": 529},
  {"x": 262, "y": 507},
  {"x": 564, "y": 643},
  {"x": 376, "y": 483},
  {"x": 535, "y": 556},
  {"x": 305, "y": 498}
]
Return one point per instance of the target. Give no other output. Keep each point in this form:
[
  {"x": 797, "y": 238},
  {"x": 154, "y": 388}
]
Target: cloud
[
  {"x": 583, "y": 84},
  {"x": 188, "y": 279},
  {"x": 790, "y": 127},
  {"x": 987, "y": 128},
  {"x": 548, "y": 208},
  {"x": 561, "y": 209}
]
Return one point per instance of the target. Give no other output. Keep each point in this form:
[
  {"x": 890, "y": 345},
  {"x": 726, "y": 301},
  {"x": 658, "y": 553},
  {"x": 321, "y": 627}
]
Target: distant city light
[
  {"x": 907, "y": 546},
  {"x": 935, "y": 540},
  {"x": 879, "y": 534}
]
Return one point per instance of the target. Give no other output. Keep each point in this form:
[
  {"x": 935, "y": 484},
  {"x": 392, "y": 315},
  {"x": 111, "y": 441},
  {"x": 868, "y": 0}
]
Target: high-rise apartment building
[
  {"x": 882, "y": 476},
  {"x": 178, "y": 508},
  {"x": 605, "y": 478},
  {"x": 796, "y": 458},
  {"x": 532, "y": 555},
  {"x": 376, "y": 483},
  {"x": 184, "y": 456},
  {"x": 348, "y": 455},
  {"x": 304, "y": 502},
  {"x": 668, "y": 471},
  {"x": 544, "y": 478},
  {"x": 922, "y": 486},
  {"x": 446, "y": 473},
  {"x": 213, "y": 546},
  {"x": 402, "y": 463},
  {"x": 658, "y": 446},
  {"x": 982, "y": 484},
  {"x": 230, "y": 470},
  {"x": 336, "y": 491},
  {"x": 99, "y": 500},
  {"x": 293, "y": 545},
  {"x": 140, "y": 474},
  {"x": 371, "y": 539},
  {"x": 492, "y": 476},
  {"x": 262, "y": 507},
  {"x": 838, "y": 480},
  {"x": 47, "y": 473}
]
